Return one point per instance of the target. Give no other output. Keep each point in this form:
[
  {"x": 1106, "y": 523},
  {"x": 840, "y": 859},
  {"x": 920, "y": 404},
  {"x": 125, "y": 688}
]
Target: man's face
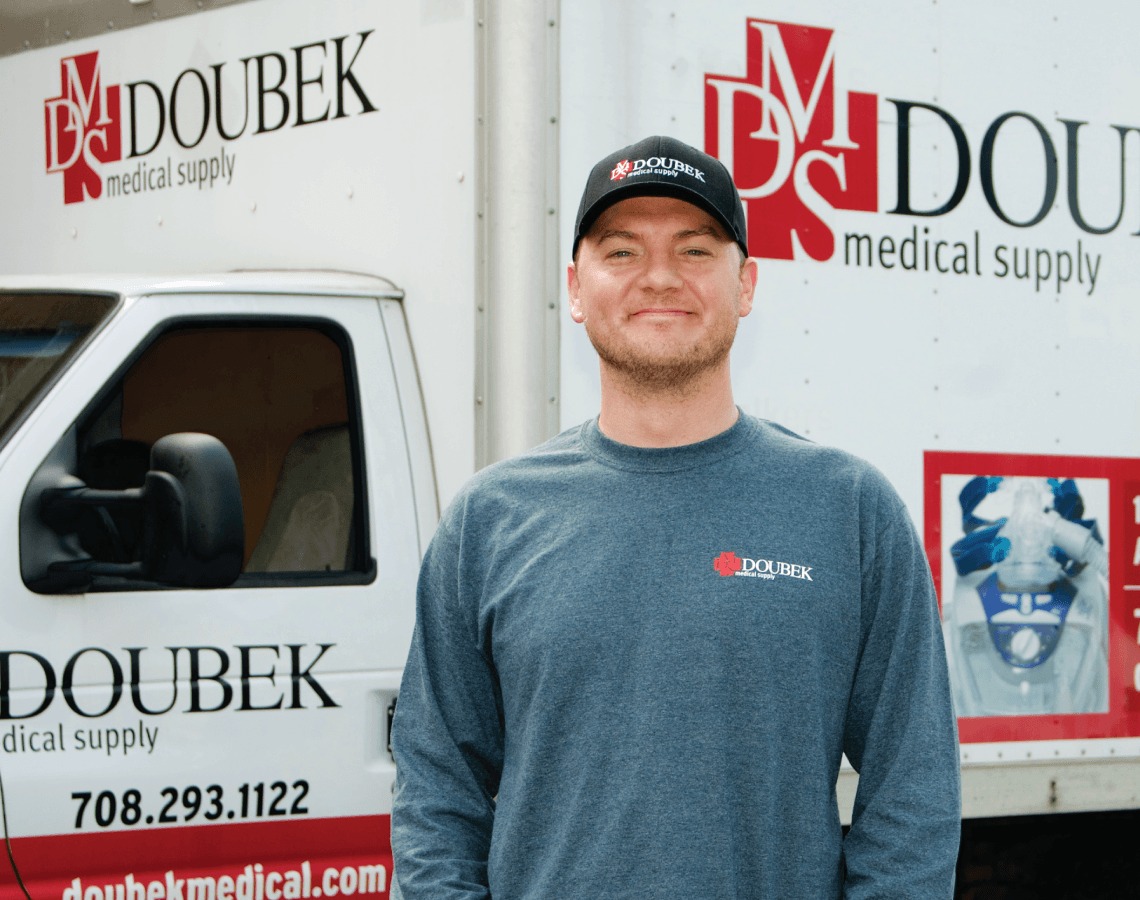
[{"x": 660, "y": 288}]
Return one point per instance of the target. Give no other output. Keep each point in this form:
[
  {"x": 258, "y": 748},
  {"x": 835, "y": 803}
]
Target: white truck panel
[{"x": 990, "y": 336}]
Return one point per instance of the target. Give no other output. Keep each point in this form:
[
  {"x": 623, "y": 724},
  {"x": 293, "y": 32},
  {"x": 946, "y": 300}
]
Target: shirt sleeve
[
  {"x": 901, "y": 733},
  {"x": 447, "y": 737}
]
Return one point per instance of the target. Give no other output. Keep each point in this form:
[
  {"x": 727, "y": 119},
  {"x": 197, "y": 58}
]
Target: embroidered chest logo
[{"x": 728, "y": 564}]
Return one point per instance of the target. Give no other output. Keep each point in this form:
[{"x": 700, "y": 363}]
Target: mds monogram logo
[
  {"x": 81, "y": 127},
  {"x": 796, "y": 142}
]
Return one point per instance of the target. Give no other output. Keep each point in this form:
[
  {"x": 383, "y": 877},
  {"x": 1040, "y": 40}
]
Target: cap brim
[{"x": 651, "y": 189}]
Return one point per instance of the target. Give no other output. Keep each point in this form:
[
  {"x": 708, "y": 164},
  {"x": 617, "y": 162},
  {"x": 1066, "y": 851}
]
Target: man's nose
[{"x": 661, "y": 273}]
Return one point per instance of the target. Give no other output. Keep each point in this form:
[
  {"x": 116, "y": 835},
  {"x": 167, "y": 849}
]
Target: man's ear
[
  {"x": 576, "y": 311},
  {"x": 749, "y": 272}
]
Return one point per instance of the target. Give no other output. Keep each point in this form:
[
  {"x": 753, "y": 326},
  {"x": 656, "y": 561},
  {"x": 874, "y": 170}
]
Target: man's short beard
[{"x": 641, "y": 373}]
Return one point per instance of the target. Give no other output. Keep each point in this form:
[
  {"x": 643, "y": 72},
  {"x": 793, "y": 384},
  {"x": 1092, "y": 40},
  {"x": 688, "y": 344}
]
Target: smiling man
[{"x": 642, "y": 649}]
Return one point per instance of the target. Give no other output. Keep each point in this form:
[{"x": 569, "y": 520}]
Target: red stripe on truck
[{"x": 302, "y": 859}]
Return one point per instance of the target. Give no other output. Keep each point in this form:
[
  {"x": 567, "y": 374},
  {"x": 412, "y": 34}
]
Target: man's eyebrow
[
  {"x": 698, "y": 232},
  {"x": 616, "y": 233}
]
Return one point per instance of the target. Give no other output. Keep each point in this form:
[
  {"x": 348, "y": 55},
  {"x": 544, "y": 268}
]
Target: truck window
[
  {"x": 280, "y": 399},
  {"x": 38, "y": 334}
]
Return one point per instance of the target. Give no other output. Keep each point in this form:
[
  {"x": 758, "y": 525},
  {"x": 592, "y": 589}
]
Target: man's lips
[{"x": 656, "y": 311}]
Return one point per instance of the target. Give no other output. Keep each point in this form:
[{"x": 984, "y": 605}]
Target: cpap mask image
[{"x": 1027, "y": 623}]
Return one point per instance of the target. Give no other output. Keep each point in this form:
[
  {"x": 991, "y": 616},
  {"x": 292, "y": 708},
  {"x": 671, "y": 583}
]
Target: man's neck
[{"x": 669, "y": 418}]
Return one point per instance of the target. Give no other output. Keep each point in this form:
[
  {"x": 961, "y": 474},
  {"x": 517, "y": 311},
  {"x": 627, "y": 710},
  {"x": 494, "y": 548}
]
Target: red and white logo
[
  {"x": 729, "y": 564},
  {"x": 82, "y": 127},
  {"x": 795, "y": 141},
  {"x": 655, "y": 165},
  {"x": 91, "y": 124}
]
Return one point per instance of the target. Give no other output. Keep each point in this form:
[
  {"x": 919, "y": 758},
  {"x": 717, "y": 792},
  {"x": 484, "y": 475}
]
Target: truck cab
[{"x": 216, "y": 492}]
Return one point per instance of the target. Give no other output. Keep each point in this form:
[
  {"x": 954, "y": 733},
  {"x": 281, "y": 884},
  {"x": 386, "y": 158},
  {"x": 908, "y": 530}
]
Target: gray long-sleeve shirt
[{"x": 635, "y": 671}]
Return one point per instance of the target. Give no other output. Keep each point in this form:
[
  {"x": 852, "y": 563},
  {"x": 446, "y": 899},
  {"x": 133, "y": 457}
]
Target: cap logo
[
  {"x": 655, "y": 165},
  {"x": 621, "y": 170}
]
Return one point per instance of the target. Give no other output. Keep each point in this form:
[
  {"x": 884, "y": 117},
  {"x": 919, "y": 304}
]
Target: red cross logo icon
[
  {"x": 620, "y": 170},
  {"x": 728, "y": 563}
]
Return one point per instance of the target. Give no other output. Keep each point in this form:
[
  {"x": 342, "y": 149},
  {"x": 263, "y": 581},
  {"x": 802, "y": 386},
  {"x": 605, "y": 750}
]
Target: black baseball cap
[{"x": 662, "y": 166}]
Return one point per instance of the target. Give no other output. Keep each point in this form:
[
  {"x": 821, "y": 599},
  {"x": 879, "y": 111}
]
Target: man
[{"x": 599, "y": 701}]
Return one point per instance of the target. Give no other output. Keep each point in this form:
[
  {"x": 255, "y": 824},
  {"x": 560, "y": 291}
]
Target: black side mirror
[
  {"x": 195, "y": 534},
  {"x": 190, "y": 505}
]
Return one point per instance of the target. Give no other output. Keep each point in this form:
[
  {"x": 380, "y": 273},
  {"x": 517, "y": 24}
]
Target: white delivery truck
[{"x": 194, "y": 696}]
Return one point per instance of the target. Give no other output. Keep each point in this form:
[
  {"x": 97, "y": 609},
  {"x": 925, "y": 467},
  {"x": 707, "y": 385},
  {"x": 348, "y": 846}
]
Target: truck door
[{"x": 212, "y": 744}]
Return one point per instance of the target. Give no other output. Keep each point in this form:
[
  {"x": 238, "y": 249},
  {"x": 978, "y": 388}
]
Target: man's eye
[
  {"x": 696, "y": 251},
  {"x": 621, "y": 253}
]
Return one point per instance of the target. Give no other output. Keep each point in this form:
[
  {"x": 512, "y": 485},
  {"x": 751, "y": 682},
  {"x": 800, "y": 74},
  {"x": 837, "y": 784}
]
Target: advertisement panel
[
  {"x": 944, "y": 201},
  {"x": 1037, "y": 562}
]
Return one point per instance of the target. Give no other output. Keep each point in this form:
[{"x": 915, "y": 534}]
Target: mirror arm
[
  {"x": 60, "y": 506},
  {"x": 90, "y": 567}
]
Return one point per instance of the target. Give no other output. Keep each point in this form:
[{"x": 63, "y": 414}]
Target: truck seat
[{"x": 309, "y": 525}]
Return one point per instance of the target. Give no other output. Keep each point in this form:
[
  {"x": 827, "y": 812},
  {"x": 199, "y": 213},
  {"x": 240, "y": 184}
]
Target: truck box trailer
[{"x": 944, "y": 202}]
